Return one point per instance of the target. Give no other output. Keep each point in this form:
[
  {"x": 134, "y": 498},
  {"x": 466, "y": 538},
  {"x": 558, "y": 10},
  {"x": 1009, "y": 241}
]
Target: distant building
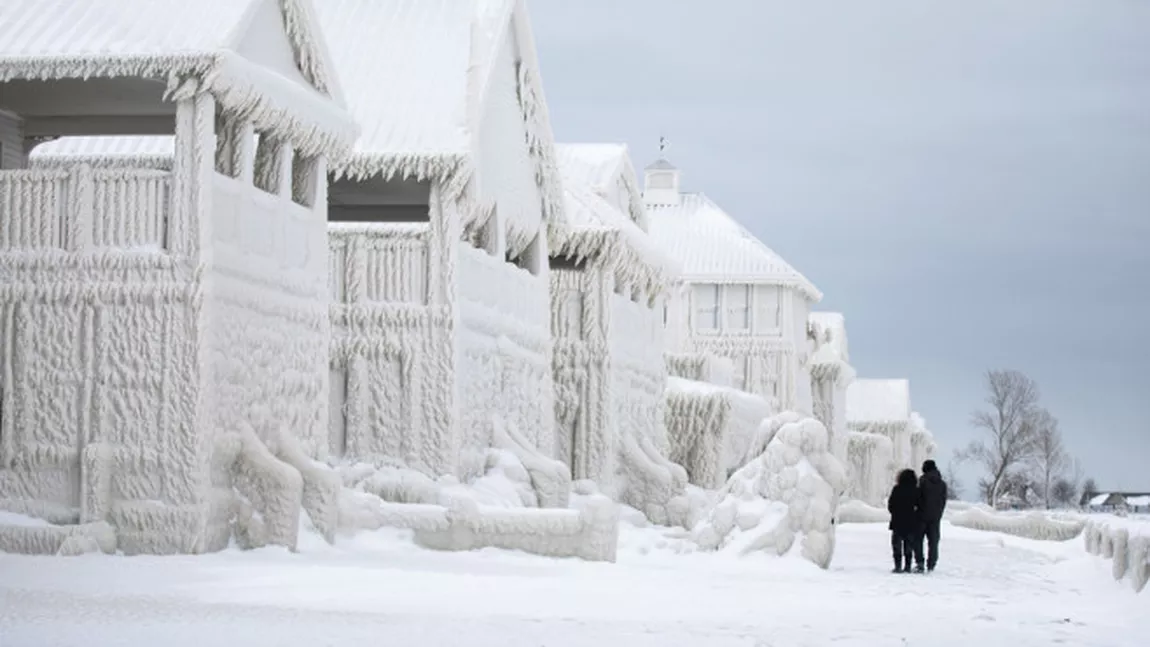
[
  {"x": 1137, "y": 502},
  {"x": 738, "y": 299}
]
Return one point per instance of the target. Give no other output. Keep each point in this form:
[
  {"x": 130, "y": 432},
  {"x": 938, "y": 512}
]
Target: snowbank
[
  {"x": 1128, "y": 548},
  {"x": 855, "y": 511},
  {"x": 499, "y": 509},
  {"x": 787, "y": 493},
  {"x": 33, "y": 536}
]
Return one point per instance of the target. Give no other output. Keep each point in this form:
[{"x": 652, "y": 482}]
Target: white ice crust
[{"x": 788, "y": 493}]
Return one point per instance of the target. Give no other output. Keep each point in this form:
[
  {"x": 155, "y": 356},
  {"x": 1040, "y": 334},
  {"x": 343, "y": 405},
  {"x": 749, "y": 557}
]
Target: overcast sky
[{"x": 968, "y": 181}]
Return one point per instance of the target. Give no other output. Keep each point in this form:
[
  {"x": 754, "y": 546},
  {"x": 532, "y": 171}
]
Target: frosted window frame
[{"x": 739, "y": 311}]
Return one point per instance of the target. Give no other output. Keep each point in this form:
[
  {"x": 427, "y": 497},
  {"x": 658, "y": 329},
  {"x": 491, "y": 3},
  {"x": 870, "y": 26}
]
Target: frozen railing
[
  {"x": 379, "y": 262},
  {"x": 82, "y": 208}
]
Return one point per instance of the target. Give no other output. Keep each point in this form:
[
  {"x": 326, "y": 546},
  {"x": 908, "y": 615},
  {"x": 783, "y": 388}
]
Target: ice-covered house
[
  {"x": 735, "y": 329},
  {"x": 608, "y": 281},
  {"x": 164, "y": 355},
  {"x": 738, "y": 298},
  {"x": 831, "y": 375},
  {"x": 439, "y": 236},
  {"x": 886, "y": 436}
]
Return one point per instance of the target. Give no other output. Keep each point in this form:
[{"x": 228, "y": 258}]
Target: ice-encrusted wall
[
  {"x": 710, "y": 428},
  {"x": 769, "y": 359},
  {"x": 609, "y": 373},
  {"x": 172, "y": 351},
  {"x": 871, "y": 460},
  {"x": 504, "y": 354},
  {"x": 393, "y": 366},
  {"x": 506, "y": 175}
]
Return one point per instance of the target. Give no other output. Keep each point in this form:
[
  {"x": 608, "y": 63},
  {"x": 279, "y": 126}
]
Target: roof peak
[{"x": 661, "y": 164}]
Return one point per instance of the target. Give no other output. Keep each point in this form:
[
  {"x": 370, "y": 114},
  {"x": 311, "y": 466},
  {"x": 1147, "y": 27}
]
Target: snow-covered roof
[
  {"x": 415, "y": 73},
  {"x": 598, "y": 230},
  {"x": 175, "y": 40},
  {"x": 714, "y": 248},
  {"x": 600, "y": 166},
  {"x": 1099, "y": 499},
  {"x": 878, "y": 401},
  {"x": 599, "y": 225},
  {"x": 153, "y": 151}
]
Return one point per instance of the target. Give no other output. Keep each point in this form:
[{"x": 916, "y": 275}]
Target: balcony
[{"x": 83, "y": 209}]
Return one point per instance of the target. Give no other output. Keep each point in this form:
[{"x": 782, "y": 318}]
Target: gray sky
[{"x": 968, "y": 181}]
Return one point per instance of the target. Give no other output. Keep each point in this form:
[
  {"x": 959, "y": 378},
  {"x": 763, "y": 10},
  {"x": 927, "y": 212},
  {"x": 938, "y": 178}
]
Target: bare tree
[
  {"x": 1089, "y": 489},
  {"x": 1050, "y": 461},
  {"x": 1009, "y": 426},
  {"x": 1064, "y": 492}
]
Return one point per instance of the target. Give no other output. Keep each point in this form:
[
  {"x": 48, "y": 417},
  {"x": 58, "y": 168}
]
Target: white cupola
[{"x": 661, "y": 183}]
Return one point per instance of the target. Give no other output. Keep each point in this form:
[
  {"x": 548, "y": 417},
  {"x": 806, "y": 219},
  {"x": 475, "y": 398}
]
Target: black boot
[{"x": 918, "y": 569}]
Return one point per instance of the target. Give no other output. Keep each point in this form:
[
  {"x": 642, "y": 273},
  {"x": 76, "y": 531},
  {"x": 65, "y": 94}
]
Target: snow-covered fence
[
  {"x": 79, "y": 208},
  {"x": 1128, "y": 549},
  {"x": 130, "y": 207},
  {"x": 1031, "y": 525}
]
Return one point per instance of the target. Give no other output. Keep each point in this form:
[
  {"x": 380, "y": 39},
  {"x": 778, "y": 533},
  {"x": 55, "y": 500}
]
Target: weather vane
[{"x": 662, "y": 145}]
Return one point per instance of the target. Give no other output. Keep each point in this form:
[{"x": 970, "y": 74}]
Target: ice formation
[
  {"x": 831, "y": 374},
  {"x": 710, "y": 428},
  {"x": 1128, "y": 551},
  {"x": 1031, "y": 525},
  {"x": 484, "y": 317},
  {"x": 607, "y": 285},
  {"x": 886, "y": 436},
  {"x": 170, "y": 325},
  {"x": 788, "y": 493}
]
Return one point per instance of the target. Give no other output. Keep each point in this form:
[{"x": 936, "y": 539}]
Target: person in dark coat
[
  {"x": 932, "y": 497},
  {"x": 904, "y": 521}
]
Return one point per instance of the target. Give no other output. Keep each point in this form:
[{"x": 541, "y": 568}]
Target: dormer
[{"x": 661, "y": 183}]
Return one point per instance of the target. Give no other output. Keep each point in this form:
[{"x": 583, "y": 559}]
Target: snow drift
[{"x": 789, "y": 493}]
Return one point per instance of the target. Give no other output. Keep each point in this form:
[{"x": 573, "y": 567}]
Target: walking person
[
  {"x": 904, "y": 522},
  {"x": 932, "y": 497}
]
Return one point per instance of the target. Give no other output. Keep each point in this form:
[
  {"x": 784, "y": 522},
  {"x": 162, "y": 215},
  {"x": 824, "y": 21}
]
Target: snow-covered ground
[{"x": 378, "y": 589}]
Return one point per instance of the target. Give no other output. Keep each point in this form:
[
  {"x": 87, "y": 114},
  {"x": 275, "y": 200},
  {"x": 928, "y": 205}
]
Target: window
[
  {"x": 665, "y": 315},
  {"x": 706, "y": 300},
  {"x": 739, "y": 307},
  {"x": 767, "y": 308}
]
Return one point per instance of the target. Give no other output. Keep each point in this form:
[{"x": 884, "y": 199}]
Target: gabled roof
[
  {"x": 598, "y": 231},
  {"x": 714, "y": 248},
  {"x": 416, "y": 73},
  {"x": 878, "y": 401},
  {"x": 601, "y": 167},
  {"x": 173, "y": 40}
]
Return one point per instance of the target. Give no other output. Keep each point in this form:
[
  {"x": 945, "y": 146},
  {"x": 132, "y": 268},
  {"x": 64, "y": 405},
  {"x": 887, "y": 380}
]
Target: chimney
[{"x": 661, "y": 184}]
